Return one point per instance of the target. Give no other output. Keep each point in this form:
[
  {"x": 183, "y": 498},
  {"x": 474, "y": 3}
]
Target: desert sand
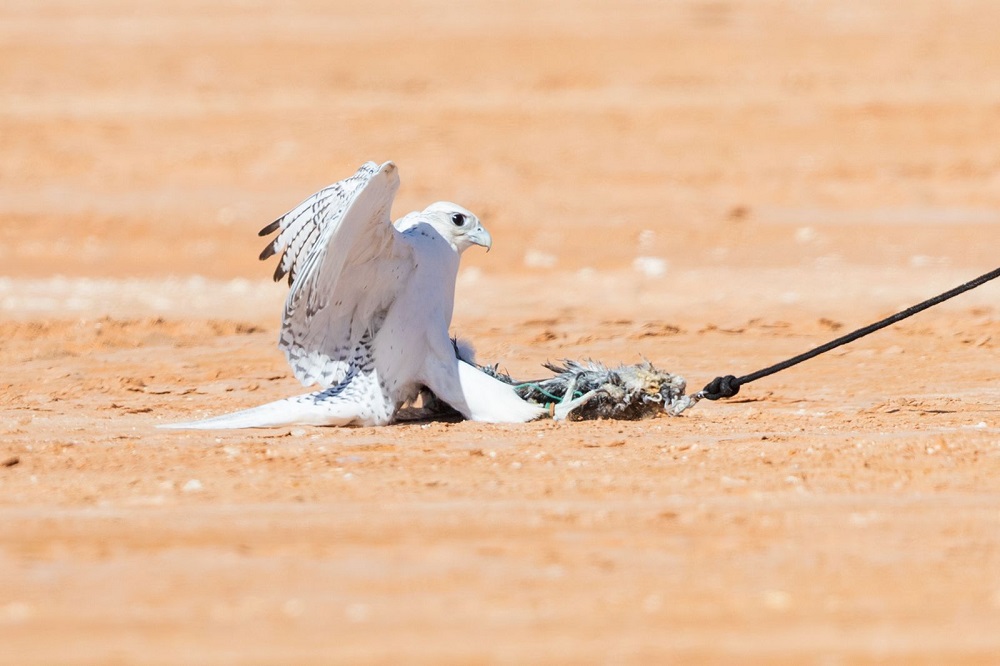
[{"x": 713, "y": 186}]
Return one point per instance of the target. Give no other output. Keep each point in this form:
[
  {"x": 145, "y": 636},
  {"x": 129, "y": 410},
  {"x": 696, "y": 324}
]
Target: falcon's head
[{"x": 458, "y": 225}]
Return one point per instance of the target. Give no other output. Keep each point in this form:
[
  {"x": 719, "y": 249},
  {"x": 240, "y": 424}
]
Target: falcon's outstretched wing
[{"x": 345, "y": 267}]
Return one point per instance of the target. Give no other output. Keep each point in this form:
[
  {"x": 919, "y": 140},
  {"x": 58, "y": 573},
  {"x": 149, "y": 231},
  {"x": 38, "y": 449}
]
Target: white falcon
[{"x": 369, "y": 308}]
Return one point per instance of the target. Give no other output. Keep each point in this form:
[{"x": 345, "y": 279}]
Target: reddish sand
[{"x": 710, "y": 185}]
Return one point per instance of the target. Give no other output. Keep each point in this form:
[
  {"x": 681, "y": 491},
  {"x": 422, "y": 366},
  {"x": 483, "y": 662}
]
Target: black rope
[{"x": 728, "y": 386}]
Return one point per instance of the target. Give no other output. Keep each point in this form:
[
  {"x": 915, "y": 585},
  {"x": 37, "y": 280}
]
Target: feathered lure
[{"x": 588, "y": 390}]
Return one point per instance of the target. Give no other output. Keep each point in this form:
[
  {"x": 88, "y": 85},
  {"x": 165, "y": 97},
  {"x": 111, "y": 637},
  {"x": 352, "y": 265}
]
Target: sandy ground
[{"x": 711, "y": 185}]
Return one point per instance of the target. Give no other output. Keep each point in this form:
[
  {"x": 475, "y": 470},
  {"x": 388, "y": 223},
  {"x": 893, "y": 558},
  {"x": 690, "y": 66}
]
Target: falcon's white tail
[
  {"x": 489, "y": 399},
  {"x": 308, "y": 409}
]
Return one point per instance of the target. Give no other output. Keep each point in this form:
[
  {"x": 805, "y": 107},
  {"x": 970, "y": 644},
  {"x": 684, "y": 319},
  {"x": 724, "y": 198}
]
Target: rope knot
[{"x": 721, "y": 387}]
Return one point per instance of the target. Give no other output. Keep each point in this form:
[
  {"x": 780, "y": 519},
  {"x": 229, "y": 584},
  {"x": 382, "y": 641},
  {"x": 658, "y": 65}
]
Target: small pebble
[
  {"x": 293, "y": 608},
  {"x": 778, "y": 600},
  {"x": 651, "y": 267},
  {"x": 357, "y": 613},
  {"x": 16, "y": 611},
  {"x": 652, "y": 603}
]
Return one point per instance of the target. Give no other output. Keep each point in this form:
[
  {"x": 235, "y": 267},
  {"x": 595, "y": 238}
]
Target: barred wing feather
[{"x": 345, "y": 266}]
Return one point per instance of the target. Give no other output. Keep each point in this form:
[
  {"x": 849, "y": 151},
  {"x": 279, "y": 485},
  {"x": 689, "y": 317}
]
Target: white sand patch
[
  {"x": 60, "y": 297},
  {"x": 537, "y": 259},
  {"x": 651, "y": 267}
]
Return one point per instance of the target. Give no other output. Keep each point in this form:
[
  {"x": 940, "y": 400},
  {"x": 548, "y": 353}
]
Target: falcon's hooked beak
[{"x": 480, "y": 236}]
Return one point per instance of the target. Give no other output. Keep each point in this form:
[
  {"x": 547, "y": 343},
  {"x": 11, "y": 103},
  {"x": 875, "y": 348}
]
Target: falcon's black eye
[{"x": 458, "y": 219}]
